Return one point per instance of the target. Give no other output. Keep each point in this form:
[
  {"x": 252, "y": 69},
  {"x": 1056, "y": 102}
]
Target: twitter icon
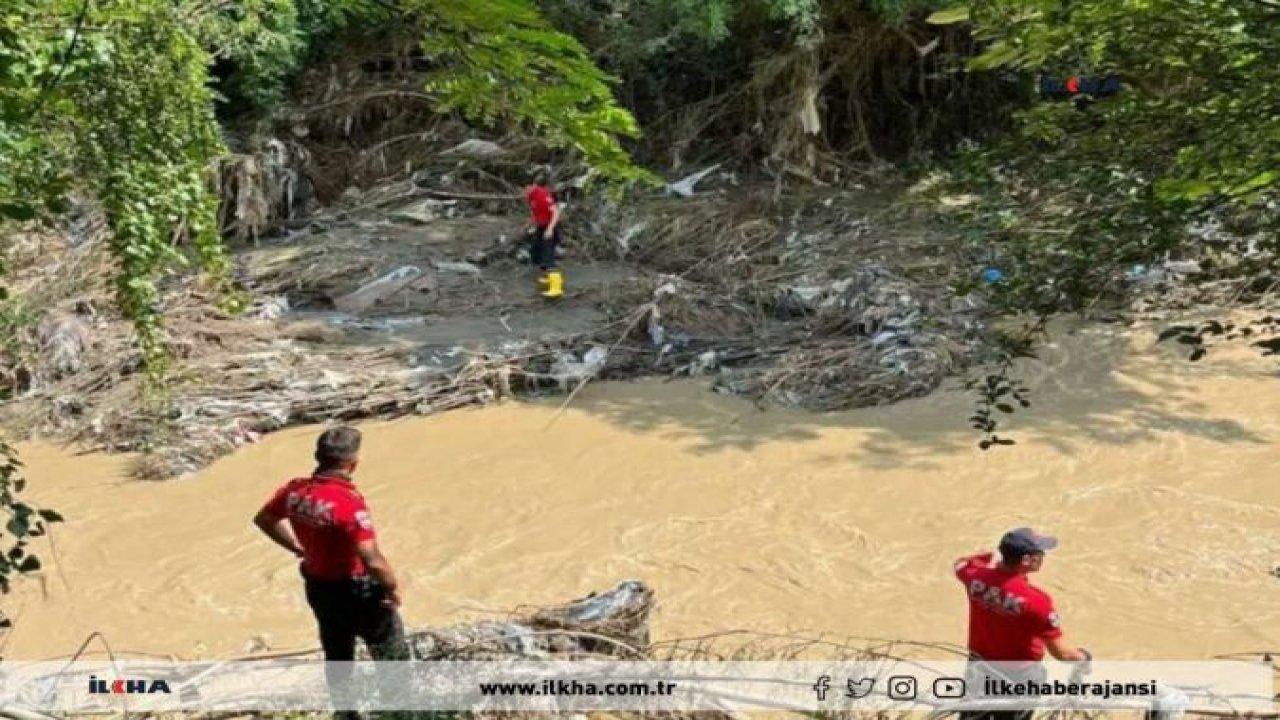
[{"x": 859, "y": 688}]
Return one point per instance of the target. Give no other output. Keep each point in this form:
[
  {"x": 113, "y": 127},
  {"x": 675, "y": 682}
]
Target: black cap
[{"x": 1025, "y": 541}]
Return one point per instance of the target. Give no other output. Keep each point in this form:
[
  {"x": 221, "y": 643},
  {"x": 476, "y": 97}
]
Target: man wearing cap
[
  {"x": 350, "y": 587},
  {"x": 1010, "y": 620}
]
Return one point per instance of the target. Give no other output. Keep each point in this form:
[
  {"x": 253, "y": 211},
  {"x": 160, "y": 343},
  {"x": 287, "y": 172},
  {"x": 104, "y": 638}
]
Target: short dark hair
[
  {"x": 1013, "y": 556},
  {"x": 337, "y": 446},
  {"x": 541, "y": 175}
]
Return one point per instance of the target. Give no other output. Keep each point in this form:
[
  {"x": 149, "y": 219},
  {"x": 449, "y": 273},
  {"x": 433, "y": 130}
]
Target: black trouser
[
  {"x": 345, "y": 610},
  {"x": 542, "y": 251}
]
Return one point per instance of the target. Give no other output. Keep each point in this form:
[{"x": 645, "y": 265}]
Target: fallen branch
[{"x": 450, "y": 195}]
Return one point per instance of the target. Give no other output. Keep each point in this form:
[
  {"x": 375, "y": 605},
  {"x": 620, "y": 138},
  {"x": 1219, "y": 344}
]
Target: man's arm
[
  {"x": 279, "y": 530},
  {"x": 962, "y": 565},
  {"x": 379, "y": 568},
  {"x": 1062, "y": 650},
  {"x": 555, "y": 217}
]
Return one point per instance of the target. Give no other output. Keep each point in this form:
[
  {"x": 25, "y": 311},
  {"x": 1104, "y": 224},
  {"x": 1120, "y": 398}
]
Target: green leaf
[
  {"x": 1171, "y": 189},
  {"x": 1257, "y": 182},
  {"x": 18, "y": 526},
  {"x": 998, "y": 55},
  {"x": 50, "y": 516},
  {"x": 949, "y": 16},
  {"x": 17, "y": 211},
  {"x": 30, "y": 564}
]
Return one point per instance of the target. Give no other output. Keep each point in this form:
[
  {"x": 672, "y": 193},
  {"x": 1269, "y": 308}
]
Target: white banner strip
[{"x": 888, "y": 685}]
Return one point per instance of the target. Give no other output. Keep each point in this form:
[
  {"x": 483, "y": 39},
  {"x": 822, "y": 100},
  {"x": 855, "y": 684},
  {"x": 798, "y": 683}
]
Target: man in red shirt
[
  {"x": 544, "y": 238},
  {"x": 350, "y": 587},
  {"x": 1010, "y": 620}
]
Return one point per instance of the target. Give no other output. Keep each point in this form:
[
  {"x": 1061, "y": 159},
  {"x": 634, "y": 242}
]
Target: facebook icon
[{"x": 821, "y": 687}]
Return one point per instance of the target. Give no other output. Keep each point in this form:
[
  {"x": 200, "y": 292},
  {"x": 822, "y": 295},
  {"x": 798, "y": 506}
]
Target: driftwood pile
[
  {"x": 614, "y": 623},
  {"x": 805, "y": 306},
  {"x": 798, "y": 306}
]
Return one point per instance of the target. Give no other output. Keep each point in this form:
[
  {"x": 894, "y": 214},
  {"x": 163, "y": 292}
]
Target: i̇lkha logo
[{"x": 120, "y": 686}]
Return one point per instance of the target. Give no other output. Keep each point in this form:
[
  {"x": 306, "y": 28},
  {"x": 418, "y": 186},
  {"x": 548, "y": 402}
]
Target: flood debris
[
  {"x": 422, "y": 213},
  {"x": 63, "y": 340},
  {"x": 803, "y": 306},
  {"x": 458, "y": 268},
  {"x": 684, "y": 187},
  {"x": 370, "y": 294},
  {"x": 569, "y": 369},
  {"x": 475, "y": 149},
  {"x": 262, "y": 188},
  {"x": 612, "y": 623}
]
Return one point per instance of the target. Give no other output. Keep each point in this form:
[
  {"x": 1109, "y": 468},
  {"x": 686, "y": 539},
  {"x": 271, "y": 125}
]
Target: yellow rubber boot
[{"x": 555, "y": 285}]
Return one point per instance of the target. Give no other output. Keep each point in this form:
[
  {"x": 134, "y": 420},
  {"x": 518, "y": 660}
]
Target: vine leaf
[
  {"x": 1174, "y": 331},
  {"x": 1271, "y": 347},
  {"x": 949, "y": 16}
]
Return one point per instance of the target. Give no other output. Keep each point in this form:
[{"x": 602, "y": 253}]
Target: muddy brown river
[{"x": 1159, "y": 476}]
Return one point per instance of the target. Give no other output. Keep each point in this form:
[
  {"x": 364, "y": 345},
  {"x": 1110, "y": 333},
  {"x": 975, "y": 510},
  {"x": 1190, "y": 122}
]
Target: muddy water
[{"x": 1160, "y": 478}]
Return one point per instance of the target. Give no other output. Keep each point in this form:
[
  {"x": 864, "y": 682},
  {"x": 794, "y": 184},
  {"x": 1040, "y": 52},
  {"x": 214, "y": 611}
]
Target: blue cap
[
  {"x": 1024, "y": 541},
  {"x": 992, "y": 275}
]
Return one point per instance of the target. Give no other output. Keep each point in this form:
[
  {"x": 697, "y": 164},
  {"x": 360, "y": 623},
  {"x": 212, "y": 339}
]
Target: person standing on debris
[
  {"x": 544, "y": 235},
  {"x": 1011, "y": 621},
  {"x": 352, "y": 591}
]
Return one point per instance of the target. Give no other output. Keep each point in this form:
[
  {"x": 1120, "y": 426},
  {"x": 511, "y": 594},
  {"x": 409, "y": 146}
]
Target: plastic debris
[
  {"x": 476, "y": 149},
  {"x": 272, "y": 307},
  {"x": 684, "y": 186},
  {"x": 460, "y": 268},
  {"x": 63, "y": 340},
  {"x": 569, "y": 370},
  {"x": 624, "y": 240},
  {"x": 422, "y": 213},
  {"x": 368, "y": 295},
  {"x": 1182, "y": 267}
]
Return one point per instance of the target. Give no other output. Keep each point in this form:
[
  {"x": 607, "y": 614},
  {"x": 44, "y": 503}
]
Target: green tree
[
  {"x": 117, "y": 99},
  {"x": 1207, "y": 68},
  {"x": 1200, "y": 120},
  {"x": 1084, "y": 191}
]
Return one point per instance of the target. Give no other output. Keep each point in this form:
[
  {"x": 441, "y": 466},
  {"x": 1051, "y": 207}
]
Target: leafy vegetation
[
  {"x": 802, "y": 84},
  {"x": 1083, "y": 191},
  {"x": 1086, "y": 195},
  {"x": 516, "y": 69},
  {"x": 1203, "y": 73},
  {"x": 25, "y": 521},
  {"x": 116, "y": 99}
]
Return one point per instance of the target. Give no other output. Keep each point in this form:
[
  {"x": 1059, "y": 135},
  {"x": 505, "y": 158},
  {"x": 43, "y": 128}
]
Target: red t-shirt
[
  {"x": 541, "y": 204},
  {"x": 329, "y": 516},
  {"x": 1009, "y": 619}
]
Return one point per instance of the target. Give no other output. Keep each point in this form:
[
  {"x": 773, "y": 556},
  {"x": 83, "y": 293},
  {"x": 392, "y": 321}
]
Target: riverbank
[
  {"x": 400, "y": 303},
  {"x": 1153, "y": 471}
]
